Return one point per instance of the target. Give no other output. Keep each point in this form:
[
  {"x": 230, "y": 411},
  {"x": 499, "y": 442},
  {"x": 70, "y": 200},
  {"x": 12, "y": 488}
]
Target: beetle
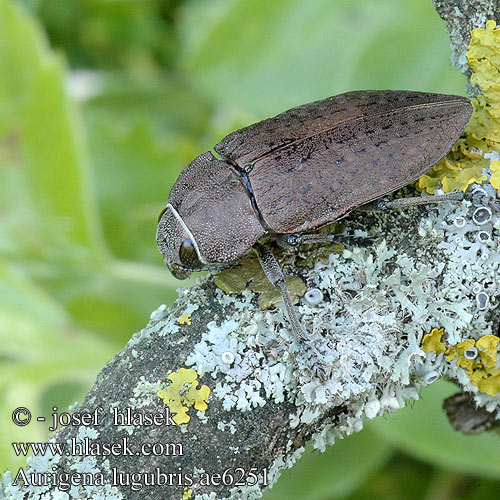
[{"x": 286, "y": 176}]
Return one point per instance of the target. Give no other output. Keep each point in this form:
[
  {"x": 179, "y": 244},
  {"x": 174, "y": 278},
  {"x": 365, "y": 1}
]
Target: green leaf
[
  {"x": 335, "y": 473},
  {"x": 50, "y": 224},
  {"x": 107, "y": 34},
  {"x": 135, "y": 171},
  {"x": 424, "y": 432},
  {"x": 39, "y": 348},
  {"x": 117, "y": 300},
  {"x": 266, "y": 56},
  {"x": 35, "y": 110},
  {"x": 166, "y": 102}
]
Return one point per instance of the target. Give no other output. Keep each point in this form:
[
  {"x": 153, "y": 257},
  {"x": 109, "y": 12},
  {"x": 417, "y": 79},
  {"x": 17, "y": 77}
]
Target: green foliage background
[{"x": 102, "y": 103}]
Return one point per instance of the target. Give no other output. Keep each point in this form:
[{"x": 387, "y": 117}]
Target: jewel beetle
[{"x": 286, "y": 176}]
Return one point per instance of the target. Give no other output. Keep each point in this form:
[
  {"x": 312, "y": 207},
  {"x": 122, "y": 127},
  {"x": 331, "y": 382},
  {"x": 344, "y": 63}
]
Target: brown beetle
[{"x": 302, "y": 169}]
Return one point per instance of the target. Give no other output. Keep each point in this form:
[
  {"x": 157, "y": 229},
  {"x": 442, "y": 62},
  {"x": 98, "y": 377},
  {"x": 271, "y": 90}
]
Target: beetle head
[{"x": 177, "y": 244}]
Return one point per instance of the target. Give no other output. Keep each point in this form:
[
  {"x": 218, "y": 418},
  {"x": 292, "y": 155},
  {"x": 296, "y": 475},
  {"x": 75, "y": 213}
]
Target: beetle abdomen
[{"x": 321, "y": 176}]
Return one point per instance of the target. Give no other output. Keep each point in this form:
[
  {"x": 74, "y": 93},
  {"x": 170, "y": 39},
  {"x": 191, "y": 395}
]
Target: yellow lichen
[
  {"x": 477, "y": 375},
  {"x": 488, "y": 348},
  {"x": 467, "y": 364},
  {"x": 495, "y": 177},
  {"x": 464, "y": 163},
  {"x": 465, "y": 346},
  {"x": 451, "y": 352},
  {"x": 187, "y": 494},
  {"x": 491, "y": 384},
  {"x": 183, "y": 393},
  {"x": 484, "y": 59},
  {"x": 184, "y": 319},
  {"x": 454, "y": 173},
  {"x": 432, "y": 341},
  {"x": 481, "y": 370}
]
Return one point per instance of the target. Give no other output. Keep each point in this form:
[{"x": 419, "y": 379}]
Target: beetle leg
[
  {"x": 275, "y": 275},
  {"x": 294, "y": 240},
  {"x": 383, "y": 205}
]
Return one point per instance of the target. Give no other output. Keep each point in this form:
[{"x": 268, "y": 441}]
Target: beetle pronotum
[{"x": 304, "y": 168}]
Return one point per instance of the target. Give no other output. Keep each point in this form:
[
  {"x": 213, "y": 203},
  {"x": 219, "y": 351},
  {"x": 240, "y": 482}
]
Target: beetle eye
[{"x": 188, "y": 255}]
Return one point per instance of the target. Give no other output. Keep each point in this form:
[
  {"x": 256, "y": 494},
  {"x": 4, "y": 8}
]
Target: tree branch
[
  {"x": 264, "y": 405},
  {"x": 461, "y": 17}
]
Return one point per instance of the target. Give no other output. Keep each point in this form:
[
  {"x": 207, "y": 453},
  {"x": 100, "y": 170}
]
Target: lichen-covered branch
[
  {"x": 461, "y": 17},
  {"x": 430, "y": 267}
]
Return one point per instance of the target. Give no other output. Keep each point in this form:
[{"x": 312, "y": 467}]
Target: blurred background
[{"x": 102, "y": 103}]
